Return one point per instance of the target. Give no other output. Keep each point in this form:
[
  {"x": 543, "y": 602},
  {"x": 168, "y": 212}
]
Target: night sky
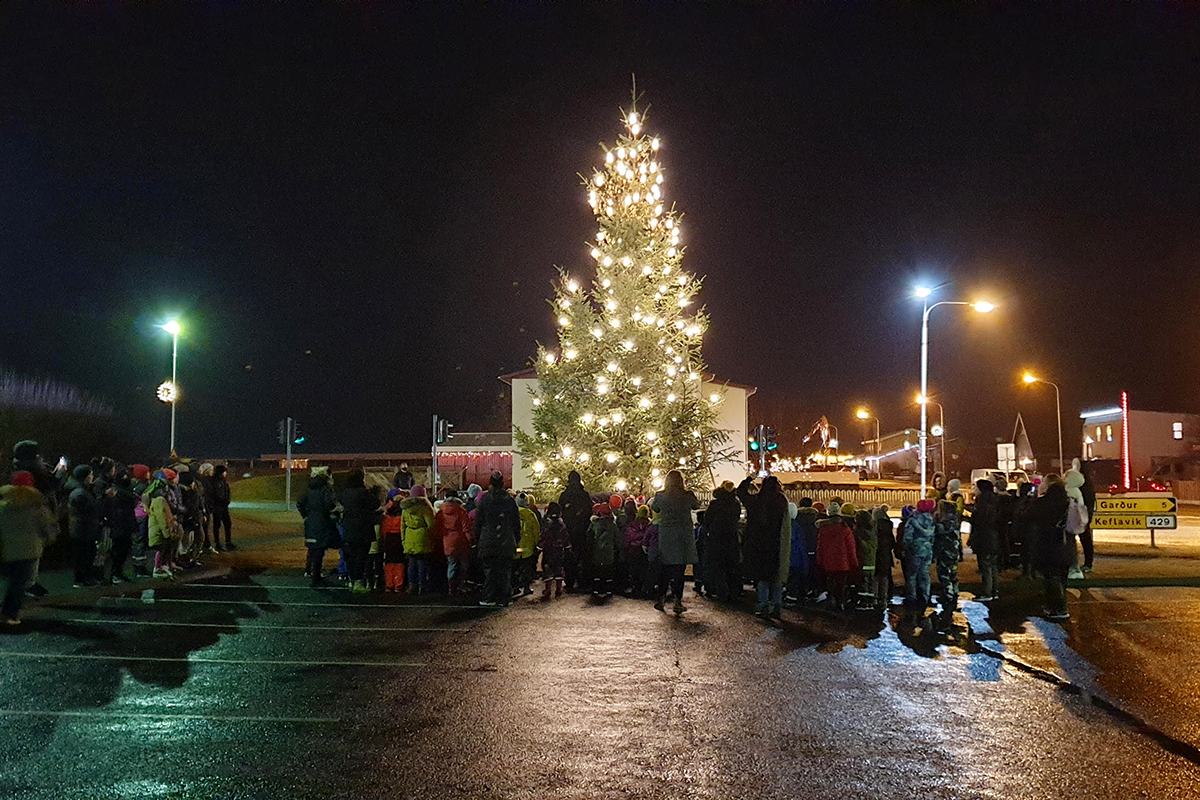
[{"x": 357, "y": 212}]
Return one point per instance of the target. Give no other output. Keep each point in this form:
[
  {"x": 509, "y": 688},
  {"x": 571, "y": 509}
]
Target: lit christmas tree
[{"x": 620, "y": 399}]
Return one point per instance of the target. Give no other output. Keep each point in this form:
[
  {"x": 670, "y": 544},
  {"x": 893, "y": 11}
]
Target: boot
[
  {"x": 452, "y": 587},
  {"x": 679, "y": 606},
  {"x": 546, "y": 584}
]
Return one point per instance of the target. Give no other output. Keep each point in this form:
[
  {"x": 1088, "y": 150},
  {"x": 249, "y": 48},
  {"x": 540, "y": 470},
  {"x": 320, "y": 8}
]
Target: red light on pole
[{"x": 1125, "y": 438}]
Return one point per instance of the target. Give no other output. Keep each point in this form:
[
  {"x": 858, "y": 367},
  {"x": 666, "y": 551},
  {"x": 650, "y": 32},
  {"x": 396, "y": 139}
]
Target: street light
[
  {"x": 172, "y": 328},
  {"x": 1030, "y": 378},
  {"x": 865, "y": 415},
  {"x": 938, "y": 430},
  {"x": 921, "y": 292}
]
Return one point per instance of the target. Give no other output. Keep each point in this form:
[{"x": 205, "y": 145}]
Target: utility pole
[
  {"x": 288, "y": 486},
  {"x": 433, "y": 471},
  {"x": 762, "y": 450}
]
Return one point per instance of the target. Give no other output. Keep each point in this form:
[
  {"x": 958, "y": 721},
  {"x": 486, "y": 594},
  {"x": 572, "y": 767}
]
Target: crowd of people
[
  {"x": 121, "y": 521},
  {"x": 492, "y": 542}
]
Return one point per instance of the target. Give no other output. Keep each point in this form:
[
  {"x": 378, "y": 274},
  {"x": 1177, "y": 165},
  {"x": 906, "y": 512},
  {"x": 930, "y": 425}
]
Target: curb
[{"x": 71, "y": 599}]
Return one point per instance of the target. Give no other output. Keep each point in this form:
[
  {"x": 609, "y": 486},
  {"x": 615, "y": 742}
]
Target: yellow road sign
[
  {"x": 1136, "y": 505},
  {"x": 1134, "y": 522}
]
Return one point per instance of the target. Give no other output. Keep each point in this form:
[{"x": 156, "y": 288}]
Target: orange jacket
[{"x": 453, "y": 528}]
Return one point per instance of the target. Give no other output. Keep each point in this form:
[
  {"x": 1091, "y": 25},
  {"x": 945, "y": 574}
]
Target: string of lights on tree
[{"x": 619, "y": 399}]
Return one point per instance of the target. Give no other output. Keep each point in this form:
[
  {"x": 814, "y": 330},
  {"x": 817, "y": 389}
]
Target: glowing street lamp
[
  {"x": 172, "y": 395},
  {"x": 938, "y": 430},
  {"x": 1029, "y": 378},
  {"x": 865, "y": 415},
  {"x": 923, "y": 293}
]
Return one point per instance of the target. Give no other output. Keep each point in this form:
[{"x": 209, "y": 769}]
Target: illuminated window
[
  {"x": 1098, "y": 437},
  {"x": 1108, "y": 432},
  {"x": 1177, "y": 430}
]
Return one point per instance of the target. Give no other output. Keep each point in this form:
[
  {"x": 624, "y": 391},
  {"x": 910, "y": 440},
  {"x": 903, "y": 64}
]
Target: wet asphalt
[{"x": 253, "y": 685}]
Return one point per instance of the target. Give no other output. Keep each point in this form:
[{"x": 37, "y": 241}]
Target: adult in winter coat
[
  {"x": 765, "y": 515},
  {"x": 318, "y": 507},
  {"x": 418, "y": 538},
  {"x": 676, "y": 535},
  {"x": 360, "y": 514},
  {"x": 1054, "y": 549},
  {"x": 984, "y": 540},
  {"x": 722, "y": 552},
  {"x": 403, "y": 479},
  {"x": 885, "y": 544},
  {"x": 27, "y": 458},
  {"x": 218, "y": 500},
  {"x": 576, "y": 506},
  {"x": 770, "y": 594},
  {"x": 83, "y": 515},
  {"x": 497, "y": 529},
  {"x": 453, "y": 527},
  {"x": 26, "y": 525},
  {"x": 837, "y": 553},
  {"x": 918, "y": 555},
  {"x": 554, "y": 543},
  {"x": 1088, "y": 490}
]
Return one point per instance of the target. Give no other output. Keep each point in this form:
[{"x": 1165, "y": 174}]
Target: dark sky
[{"x": 357, "y": 211}]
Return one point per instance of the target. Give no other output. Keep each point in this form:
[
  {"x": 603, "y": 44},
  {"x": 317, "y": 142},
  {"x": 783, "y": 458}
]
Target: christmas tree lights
[{"x": 619, "y": 398}]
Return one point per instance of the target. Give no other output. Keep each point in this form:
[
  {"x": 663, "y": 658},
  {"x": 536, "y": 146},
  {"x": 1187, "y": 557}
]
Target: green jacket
[
  {"x": 531, "y": 531},
  {"x": 418, "y": 526},
  {"x": 602, "y": 541},
  {"x": 26, "y": 523}
]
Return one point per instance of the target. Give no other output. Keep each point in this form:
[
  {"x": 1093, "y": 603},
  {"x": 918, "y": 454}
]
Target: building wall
[
  {"x": 1151, "y": 435},
  {"x": 732, "y": 418}
]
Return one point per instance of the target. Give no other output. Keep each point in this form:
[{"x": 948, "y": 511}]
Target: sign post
[
  {"x": 1006, "y": 457},
  {"x": 1137, "y": 513}
]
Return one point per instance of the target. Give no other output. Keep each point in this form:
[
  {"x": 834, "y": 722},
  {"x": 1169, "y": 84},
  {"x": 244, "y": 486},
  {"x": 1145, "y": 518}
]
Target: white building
[
  {"x": 732, "y": 419},
  {"x": 1138, "y": 438}
]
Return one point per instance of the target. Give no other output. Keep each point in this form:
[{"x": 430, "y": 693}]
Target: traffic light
[
  {"x": 283, "y": 431},
  {"x": 754, "y": 442},
  {"x": 445, "y": 431},
  {"x": 769, "y": 440},
  {"x": 297, "y": 436}
]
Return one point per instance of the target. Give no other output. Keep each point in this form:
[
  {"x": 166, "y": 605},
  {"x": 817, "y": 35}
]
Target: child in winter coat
[
  {"x": 417, "y": 538},
  {"x": 653, "y": 561},
  {"x": 885, "y": 546},
  {"x": 866, "y": 548},
  {"x": 554, "y": 543},
  {"x": 918, "y": 555},
  {"x": 455, "y": 529},
  {"x": 391, "y": 542},
  {"x": 633, "y": 554},
  {"x": 837, "y": 554},
  {"x": 525, "y": 558},
  {"x": 602, "y": 544}
]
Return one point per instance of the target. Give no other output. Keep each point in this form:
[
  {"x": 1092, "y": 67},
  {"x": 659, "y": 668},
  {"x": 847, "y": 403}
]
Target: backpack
[{"x": 1077, "y": 518}]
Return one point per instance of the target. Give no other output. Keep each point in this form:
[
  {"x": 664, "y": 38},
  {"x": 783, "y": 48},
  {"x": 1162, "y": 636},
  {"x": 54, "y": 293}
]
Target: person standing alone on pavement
[
  {"x": 26, "y": 526},
  {"x": 219, "y": 508},
  {"x": 497, "y": 529}
]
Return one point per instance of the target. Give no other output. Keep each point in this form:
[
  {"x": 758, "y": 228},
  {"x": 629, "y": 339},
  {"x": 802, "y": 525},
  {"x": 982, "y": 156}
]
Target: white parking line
[
  {"x": 11, "y": 712},
  {"x": 207, "y": 660},
  {"x": 235, "y": 625}
]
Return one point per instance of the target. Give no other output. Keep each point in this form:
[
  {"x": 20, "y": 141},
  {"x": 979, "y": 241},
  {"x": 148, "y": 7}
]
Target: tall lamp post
[
  {"x": 1030, "y": 378},
  {"x": 938, "y": 430},
  {"x": 923, "y": 293},
  {"x": 173, "y": 328},
  {"x": 864, "y": 415}
]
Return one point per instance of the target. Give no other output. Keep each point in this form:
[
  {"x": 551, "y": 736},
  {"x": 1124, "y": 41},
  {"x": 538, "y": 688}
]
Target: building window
[
  {"x": 1177, "y": 430},
  {"x": 1098, "y": 436},
  {"x": 1108, "y": 432}
]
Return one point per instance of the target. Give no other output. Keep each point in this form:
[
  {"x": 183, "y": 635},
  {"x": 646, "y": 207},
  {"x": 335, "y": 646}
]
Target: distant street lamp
[
  {"x": 1030, "y": 378},
  {"x": 865, "y": 415},
  {"x": 923, "y": 293},
  {"x": 172, "y": 395}
]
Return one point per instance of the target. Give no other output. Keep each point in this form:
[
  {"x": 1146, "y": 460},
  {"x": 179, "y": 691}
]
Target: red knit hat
[
  {"x": 140, "y": 472},
  {"x": 170, "y": 474},
  {"x": 601, "y": 510},
  {"x": 615, "y": 501},
  {"x": 22, "y": 478}
]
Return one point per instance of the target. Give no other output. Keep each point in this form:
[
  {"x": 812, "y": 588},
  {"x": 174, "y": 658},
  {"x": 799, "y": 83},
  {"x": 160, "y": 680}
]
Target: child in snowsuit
[
  {"x": 417, "y": 538},
  {"x": 885, "y": 545},
  {"x": 554, "y": 543},
  {"x": 602, "y": 544},
  {"x": 391, "y": 536},
  {"x": 837, "y": 553},
  {"x": 866, "y": 548},
  {"x": 633, "y": 556},
  {"x": 918, "y": 556}
]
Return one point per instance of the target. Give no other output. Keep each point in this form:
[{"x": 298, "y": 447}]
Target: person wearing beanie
[
  {"x": 418, "y": 521},
  {"x": 218, "y": 507},
  {"x": 948, "y": 549},
  {"x": 473, "y": 492},
  {"x": 984, "y": 539},
  {"x": 391, "y": 541},
  {"x": 633, "y": 554},
  {"x": 553, "y": 543},
  {"x": 837, "y": 553},
  {"x": 497, "y": 529},
  {"x": 867, "y": 549},
  {"x": 1054, "y": 550},
  {"x": 26, "y": 525},
  {"x": 525, "y": 557},
  {"x": 885, "y": 541},
  {"x": 123, "y": 525},
  {"x": 722, "y": 548},
  {"x": 162, "y": 531},
  {"x": 918, "y": 556},
  {"x": 192, "y": 518},
  {"x": 766, "y": 519},
  {"x": 602, "y": 549},
  {"x": 84, "y": 525},
  {"x": 1077, "y": 521},
  {"x": 804, "y": 579},
  {"x": 318, "y": 508}
]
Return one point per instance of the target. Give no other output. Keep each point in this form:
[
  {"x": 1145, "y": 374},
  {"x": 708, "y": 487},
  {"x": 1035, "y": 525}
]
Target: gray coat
[{"x": 676, "y": 533}]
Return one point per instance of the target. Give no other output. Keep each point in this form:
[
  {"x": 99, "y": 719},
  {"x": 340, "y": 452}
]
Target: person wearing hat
[
  {"x": 497, "y": 528},
  {"x": 525, "y": 559},
  {"x": 27, "y": 457},
  {"x": 837, "y": 553},
  {"x": 721, "y": 564},
  {"x": 84, "y": 525},
  {"x": 318, "y": 508},
  {"x": 26, "y": 526},
  {"x": 453, "y": 528},
  {"x": 391, "y": 541},
  {"x": 917, "y": 542},
  {"x": 140, "y": 548},
  {"x": 602, "y": 549},
  {"x": 1078, "y": 520},
  {"x": 766, "y": 518},
  {"x": 984, "y": 540},
  {"x": 576, "y": 506},
  {"x": 162, "y": 531},
  {"x": 218, "y": 507},
  {"x": 418, "y": 519},
  {"x": 947, "y": 550}
]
